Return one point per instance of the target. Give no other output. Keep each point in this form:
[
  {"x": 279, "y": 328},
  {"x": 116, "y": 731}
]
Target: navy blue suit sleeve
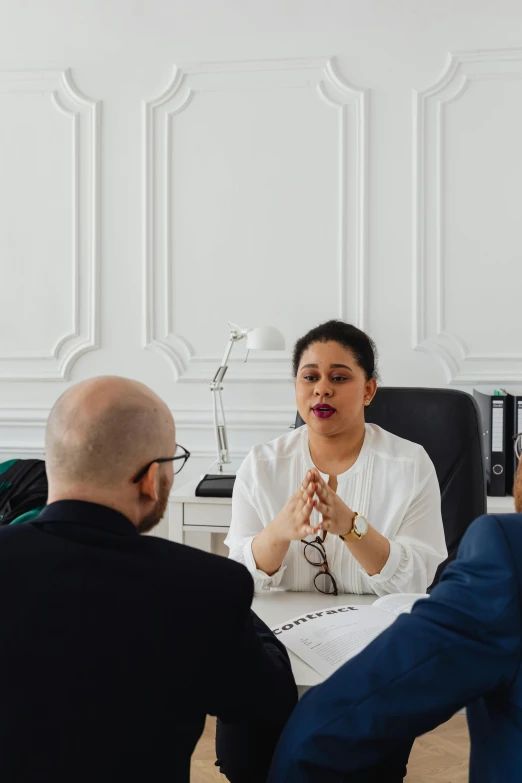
[{"x": 457, "y": 645}]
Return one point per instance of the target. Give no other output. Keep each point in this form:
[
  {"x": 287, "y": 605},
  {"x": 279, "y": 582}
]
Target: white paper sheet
[
  {"x": 398, "y": 603},
  {"x": 327, "y": 639}
]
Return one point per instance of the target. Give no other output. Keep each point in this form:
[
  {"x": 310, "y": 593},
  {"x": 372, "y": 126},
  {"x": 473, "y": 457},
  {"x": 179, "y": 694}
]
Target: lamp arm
[
  {"x": 220, "y": 429},
  {"x": 220, "y": 426},
  {"x": 220, "y": 374}
]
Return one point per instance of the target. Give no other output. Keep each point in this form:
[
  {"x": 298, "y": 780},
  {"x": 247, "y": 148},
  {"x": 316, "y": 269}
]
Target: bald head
[{"x": 103, "y": 431}]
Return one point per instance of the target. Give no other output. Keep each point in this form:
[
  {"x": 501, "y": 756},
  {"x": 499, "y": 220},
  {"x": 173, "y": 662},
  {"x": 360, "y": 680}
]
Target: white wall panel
[
  {"x": 468, "y": 171},
  {"x": 48, "y": 225},
  {"x": 255, "y": 182},
  {"x": 286, "y": 171}
]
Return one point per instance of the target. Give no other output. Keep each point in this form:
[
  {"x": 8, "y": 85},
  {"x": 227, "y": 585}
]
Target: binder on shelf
[
  {"x": 517, "y": 427},
  {"x": 497, "y": 414}
]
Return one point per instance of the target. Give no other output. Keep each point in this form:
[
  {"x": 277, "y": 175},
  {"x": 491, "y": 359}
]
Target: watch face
[{"x": 361, "y": 526}]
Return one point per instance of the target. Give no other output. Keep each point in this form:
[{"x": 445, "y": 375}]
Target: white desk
[
  {"x": 212, "y": 515},
  {"x": 204, "y": 515},
  {"x": 274, "y": 607}
]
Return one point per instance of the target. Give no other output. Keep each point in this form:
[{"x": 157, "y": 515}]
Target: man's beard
[
  {"x": 156, "y": 515},
  {"x": 517, "y": 488}
]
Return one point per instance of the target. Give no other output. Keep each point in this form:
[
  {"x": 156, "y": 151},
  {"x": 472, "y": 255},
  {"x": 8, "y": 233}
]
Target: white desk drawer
[{"x": 208, "y": 514}]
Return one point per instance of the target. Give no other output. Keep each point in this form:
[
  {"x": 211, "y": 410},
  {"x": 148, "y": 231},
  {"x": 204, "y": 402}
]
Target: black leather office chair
[
  {"x": 447, "y": 424},
  {"x": 23, "y": 488}
]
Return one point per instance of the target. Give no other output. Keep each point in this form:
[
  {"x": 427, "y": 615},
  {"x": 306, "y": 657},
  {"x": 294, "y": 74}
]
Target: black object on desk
[{"x": 215, "y": 486}]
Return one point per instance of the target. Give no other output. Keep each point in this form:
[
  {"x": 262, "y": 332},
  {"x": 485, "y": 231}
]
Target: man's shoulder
[
  {"x": 184, "y": 561},
  {"x": 491, "y": 549},
  {"x": 509, "y": 526},
  {"x": 222, "y": 588},
  {"x": 480, "y": 589},
  {"x": 489, "y": 526}
]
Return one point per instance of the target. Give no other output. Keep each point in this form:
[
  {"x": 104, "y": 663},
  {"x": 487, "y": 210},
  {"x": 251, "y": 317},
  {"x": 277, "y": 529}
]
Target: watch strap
[{"x": 353, "y": 535}]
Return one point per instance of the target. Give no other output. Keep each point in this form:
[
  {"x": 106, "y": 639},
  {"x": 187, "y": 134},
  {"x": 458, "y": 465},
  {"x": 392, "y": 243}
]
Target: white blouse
[{"x": 393, "y": 484}]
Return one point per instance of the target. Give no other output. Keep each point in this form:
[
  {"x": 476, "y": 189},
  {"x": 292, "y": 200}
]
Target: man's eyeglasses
[
  {"x": 181, "y": 454},
  {"x": 315, "y": 554},
  {"x": 517, "y": 442}
]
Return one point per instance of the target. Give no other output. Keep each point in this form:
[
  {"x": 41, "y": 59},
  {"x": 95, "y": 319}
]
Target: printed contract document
[{"x": 327, "y": 639}]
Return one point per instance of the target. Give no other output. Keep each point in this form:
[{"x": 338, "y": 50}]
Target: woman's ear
[
  {"x": 370, "y": 390},
  {"x": 150, "y": 482}
]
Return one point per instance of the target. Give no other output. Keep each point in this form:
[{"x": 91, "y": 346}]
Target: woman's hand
[
  {"x": 293, "y": 521},
  {"x": 338, "y": 518},
  {"x": 271, "y": 545}
]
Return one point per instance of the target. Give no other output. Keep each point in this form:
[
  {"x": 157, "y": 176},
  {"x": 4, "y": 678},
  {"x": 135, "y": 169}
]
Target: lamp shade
[{"x": 265, "y": 338}]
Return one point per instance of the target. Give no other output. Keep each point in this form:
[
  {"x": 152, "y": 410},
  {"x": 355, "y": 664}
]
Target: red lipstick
[{"x": 323, "y": 411}]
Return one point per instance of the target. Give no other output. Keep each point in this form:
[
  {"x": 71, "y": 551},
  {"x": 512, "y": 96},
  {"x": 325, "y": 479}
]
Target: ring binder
[{"x": 497, "y": 413}]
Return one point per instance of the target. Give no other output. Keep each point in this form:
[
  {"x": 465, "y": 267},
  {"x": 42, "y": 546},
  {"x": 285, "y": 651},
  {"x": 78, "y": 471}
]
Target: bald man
[{"x": 114, "y": 646}]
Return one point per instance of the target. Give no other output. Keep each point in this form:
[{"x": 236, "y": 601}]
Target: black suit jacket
[{"x": 115, "y": 646}]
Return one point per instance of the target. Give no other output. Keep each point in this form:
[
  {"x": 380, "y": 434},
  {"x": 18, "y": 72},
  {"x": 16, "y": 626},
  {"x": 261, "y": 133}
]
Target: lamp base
[{"x": 215, "y": 485}]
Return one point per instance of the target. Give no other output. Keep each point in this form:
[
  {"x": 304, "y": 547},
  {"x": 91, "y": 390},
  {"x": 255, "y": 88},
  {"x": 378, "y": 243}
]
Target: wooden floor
[{"x": 441, "y": 756}]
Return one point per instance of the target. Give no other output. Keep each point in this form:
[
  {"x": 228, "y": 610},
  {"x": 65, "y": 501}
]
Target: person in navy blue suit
[{"x": 460, "y": 648}]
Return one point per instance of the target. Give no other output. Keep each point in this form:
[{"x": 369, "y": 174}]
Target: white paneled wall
[
  {"x": 467, "y": 173},
  {"x": 253, "y": 172},
  {"x": 49, "y": 201},
  {"x": 171, "y": 165}
]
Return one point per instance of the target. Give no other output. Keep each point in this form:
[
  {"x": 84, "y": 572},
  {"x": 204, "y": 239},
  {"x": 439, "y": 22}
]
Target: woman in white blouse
[{"x": 337, "y": 505}]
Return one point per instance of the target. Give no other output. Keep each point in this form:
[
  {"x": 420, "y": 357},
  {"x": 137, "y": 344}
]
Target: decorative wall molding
[
  {"x": 185, "y": 417},
  {"x": 21, "y": 451},
  {"x": 431, "y": 333},
  {"x": 159, "y": 114},
  {"x": 84, "y": 117},
  {"x": 238, "y": 419},
  {"x": 23, "y": 416},
  {"x": 22, "y": 429},
  {"x": 202, "y": 369}
]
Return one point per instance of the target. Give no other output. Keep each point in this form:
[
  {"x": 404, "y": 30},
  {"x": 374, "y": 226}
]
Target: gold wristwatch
[{"x": 359, "y": 529}]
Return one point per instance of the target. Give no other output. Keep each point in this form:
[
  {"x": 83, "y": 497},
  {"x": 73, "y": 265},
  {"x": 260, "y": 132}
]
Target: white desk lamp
[{"x": 262, "y": 338}]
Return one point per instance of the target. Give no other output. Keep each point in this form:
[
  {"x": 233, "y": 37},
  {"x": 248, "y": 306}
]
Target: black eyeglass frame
[
  {"x": 318, "y": 545},
  {"x": 184, "y": 457}
]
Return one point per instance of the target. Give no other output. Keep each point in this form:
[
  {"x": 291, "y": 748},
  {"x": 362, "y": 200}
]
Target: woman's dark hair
[{"x": 347, "y": 335}]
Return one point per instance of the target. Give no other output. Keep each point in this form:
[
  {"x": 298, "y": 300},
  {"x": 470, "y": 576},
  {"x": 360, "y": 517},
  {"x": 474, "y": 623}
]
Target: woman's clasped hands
[{"x": 294, "y": 520}]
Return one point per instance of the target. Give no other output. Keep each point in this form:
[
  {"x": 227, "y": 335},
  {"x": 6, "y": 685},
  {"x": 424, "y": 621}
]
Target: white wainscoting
[
  {"x": 49, "y": 140},
  {"x": 230, "y": 152},
  {"x": 165, "y": 171},
  {"x": 467, "y": 172}
]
